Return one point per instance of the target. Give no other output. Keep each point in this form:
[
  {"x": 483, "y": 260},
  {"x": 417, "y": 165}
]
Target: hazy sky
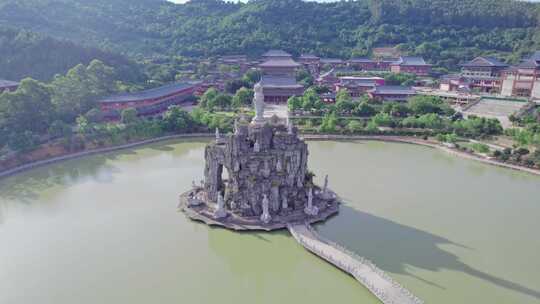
[{"x": 183, "y": 1}]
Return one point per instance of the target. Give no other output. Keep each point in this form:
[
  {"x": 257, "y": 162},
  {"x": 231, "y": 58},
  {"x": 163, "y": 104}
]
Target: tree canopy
[{"x": 445, "y": 32}]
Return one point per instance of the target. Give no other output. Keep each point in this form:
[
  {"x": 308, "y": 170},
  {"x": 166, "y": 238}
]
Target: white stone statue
[
  {"x": 236, "y": 127},
  {"x": 265, "y": 216},
  {"x": 218, "y": 136},
  {"x": 325, "y": 188},
  {"x": 289, "y": 126},
  {"x": 279, "y": 166},
  {"x": 258, "y": 103},
  {"x": 284, "y": 203},
  {"x": 220, "y": 209},
  {"x": 310, "y": 209},
  {"x": 256, "y": 147}
]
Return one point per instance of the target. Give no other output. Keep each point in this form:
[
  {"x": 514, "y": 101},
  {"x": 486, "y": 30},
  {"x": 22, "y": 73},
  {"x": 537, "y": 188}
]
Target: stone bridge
[{"x": 374, "y": 279}]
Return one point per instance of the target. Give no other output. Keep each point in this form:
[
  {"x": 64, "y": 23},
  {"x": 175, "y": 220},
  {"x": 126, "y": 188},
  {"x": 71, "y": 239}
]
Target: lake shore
[{"x": 385, "y": 138}]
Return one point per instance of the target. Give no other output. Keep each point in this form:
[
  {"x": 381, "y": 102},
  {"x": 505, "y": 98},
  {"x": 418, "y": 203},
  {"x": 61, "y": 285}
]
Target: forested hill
[
  {"x": 26, "y": 54},
  {"x": 444, "y": 31}
]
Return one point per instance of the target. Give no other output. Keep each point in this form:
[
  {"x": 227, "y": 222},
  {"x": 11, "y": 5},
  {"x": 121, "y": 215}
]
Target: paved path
[{"x": 375, "y": 280}]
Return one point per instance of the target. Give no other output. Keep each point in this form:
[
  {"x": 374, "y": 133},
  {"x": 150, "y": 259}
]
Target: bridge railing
[{"x": 354, "y": 270}]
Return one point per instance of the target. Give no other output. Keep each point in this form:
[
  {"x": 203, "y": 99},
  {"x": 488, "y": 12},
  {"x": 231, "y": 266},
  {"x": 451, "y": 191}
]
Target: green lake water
[{"x": 105, "y": 229}]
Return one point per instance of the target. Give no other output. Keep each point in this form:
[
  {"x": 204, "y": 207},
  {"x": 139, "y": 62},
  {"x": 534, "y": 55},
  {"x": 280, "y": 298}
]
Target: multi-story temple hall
[{"x": 258, "y": 178}]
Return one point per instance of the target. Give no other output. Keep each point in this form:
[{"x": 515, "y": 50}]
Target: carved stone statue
[
  {"x": 310, "y": 209},
  {"x": 256, "y": 147},
  {"x": 325, "y": 188},
  {"x": 258, "y": 103},
  {"x": 218, "y": 136},
  {"x": 220, "y": 209},
  {"x": 265, "y": 216},
  {"x": 289, "y": 126}
]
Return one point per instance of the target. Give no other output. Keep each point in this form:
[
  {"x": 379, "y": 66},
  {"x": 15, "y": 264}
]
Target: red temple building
[
  {"x": 412, "y": 65},
  {"x": 484, "y": 73},
  {"x": 391, "y": 93},
  {"x": 8, "y": 86},
  {"x": 365, "y": 64},
  {"x": 328, "y": 79},
  {"x": 454, "y": 83},
  {"x": 358, "y": 86},
  {"x": 279, "y": 77},
  {"x": 333, "y": 62},
  {"x": 149, "y": 102},
  {"x": 311, "y": 63},
  {"x": 523, "y": 79}
]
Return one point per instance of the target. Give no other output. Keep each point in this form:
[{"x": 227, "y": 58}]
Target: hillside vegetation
[{"x": 445, "y": 32}]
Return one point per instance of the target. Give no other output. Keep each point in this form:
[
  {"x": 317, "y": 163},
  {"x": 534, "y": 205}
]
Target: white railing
[{"x": 358, "y": 269}]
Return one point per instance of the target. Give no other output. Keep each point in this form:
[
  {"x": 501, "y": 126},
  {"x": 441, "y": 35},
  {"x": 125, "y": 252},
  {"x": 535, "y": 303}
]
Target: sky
[{"x": 183, "y": 1}]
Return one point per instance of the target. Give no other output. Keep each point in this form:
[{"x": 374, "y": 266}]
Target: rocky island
[{"x": 258, "y": 178}]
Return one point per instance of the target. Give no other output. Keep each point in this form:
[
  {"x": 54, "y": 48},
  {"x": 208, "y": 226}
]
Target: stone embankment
[
  {"x": 49, "y": 161},
  {"x": 374, "y": 279}
]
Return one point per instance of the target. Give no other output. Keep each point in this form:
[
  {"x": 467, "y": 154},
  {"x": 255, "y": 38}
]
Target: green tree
[
  {"x": 329, "y": 123},
  {"x": 129, "y": 116},
  {"x": 207, "y": 97},
  {"x": 310, "y": 100},
  {"x": 79, "y": 90},
  {"x": 243, "y": 97},
  {"x": 354, "y": 126},
  {"x": 364, "y": 109},
  {"x": 295, "y": 103},
  {"x": 29, "y": 108},
  {"x": 176, "y": 119},
  {"x": 383, "y": 120},
  {"x": 60, "y": 129}
]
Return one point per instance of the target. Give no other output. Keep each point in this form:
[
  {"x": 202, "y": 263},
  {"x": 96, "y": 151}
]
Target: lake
[{"x": 105, "y": 229}]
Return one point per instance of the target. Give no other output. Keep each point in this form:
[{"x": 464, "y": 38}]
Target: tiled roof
[
  {"x": 536, "y": 56},
  {"x": 393, "y": 90},
  {"x": 149, "y": 94},
  {"x": 282, "y": 62},
  {"x": 7, "y": 83},
  {"x": 308, "y": 56},
  {"x": 331, "y": 60},
  {"x": 276, "y": 53},
  {"x": 485, "y": 62},
  {"x": 279, "y": 82},
  {"x": 407, "y": 60},
  {"x": 361, "y": 60}
]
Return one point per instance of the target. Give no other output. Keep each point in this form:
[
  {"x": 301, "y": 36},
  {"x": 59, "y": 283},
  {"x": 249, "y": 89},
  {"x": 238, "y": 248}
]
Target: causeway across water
[{"x": 375, "y": 280}]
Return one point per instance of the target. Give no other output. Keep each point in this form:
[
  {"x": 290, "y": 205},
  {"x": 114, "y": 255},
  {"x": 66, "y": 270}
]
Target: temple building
[
  {"x": 385, "y": 52},
  {"x": 333, "y": 62},
  {"x": 149, "y": 102},
  {"x": 327, "y": 79},
  {"x": 310, "y": 63},
  {"x": 391, "y": 93},
  {"x": 412, "y": 65},
  {"x": 279, "y": 77},
  {"x": 358, "y": 86},
  {"x": 484, "y": 73},
  {"x": 8, "y": 86},
  {"x": 523, "y": 79},
  {"x": 236, "y": 60},
  {"x": 454, "y": 83},
  {"x": 364, "y": 64}
]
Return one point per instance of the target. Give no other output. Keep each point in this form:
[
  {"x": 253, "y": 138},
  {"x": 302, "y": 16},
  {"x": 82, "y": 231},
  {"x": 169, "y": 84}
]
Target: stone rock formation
[{"x": 259, "y": 174}]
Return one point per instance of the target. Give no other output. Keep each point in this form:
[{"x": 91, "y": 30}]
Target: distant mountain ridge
[{"x": 443, "y": 31}]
